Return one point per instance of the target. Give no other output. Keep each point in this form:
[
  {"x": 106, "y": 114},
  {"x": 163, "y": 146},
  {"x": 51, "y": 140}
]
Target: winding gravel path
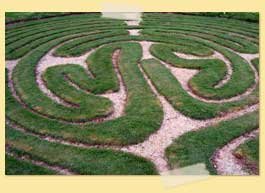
[
  {"x": 118, "y": 98},
  {"x": 174, "y": 123},
  {"x": 49, "y": 60},
  {"x": 153, "y": 148},
  {"x": 225, "y": 162},
  {"x": 184, "y": 75},
  {"x": 10, "y": 65},
  {"x": 215, "y": 55}
]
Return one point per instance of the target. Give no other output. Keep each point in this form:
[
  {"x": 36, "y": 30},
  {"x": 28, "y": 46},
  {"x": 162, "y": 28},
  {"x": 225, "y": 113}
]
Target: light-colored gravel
[
  {"x": 118, "y": 98},
  {"x": 174, "y": 123},
  {"x": 224, "y": 160},
  {"x": 145, "y": 49},
  {"x": 134, "y": 32},
  {"x": 50, "y": 60},
  {"x": 10, "y": 65},
  {"x": 247, "y": 57},
  {"x": 133, "y": 22},
  {"x": 216, "y": 55},
  {"x": 153, "y": 148},
  {"x": 184, "y": 75}
]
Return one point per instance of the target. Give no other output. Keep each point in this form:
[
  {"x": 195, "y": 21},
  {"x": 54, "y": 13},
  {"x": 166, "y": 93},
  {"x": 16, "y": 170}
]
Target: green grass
[
  {"x": 26, "y": 31},
  {"x": 249, "y": 152},
  {"x": 74, "y": 35},
  {"x": 24, "y": 37},
  {"x": 211, "y": 72},
  {"x": 250, "y": 149},
  {"x": 135, "y": 126},
  {"x": 18, "y": 167},
  {"x": 45, "y": 21},
  {"x": 198, "y": 146},
  {"x": 21, "y": 47},
  {"x": 34, "y": 33},
  {"x": 39, "y": 102},
  {"x": 244, "y": 16},
  {"x": 238, "y": 44},
  {"x": 18, "y": 16},
  {"x": 255, "y": 63},
  {"x": 12, "y": 17},
  {"x": 197, "y": 19},
  {"x": 81, "y": 45},
  {"x": 194, "y": 26},
  {"x": 79, "y": 160},
  {"x": 168, "y": 86}
]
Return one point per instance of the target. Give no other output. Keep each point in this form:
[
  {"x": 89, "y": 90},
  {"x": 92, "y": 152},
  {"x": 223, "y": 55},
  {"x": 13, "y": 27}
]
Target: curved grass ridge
[
  {"x": 133, "y": 127},
  {"x": 20, "y": 48},
  {"x": 241, "y": 79},
  {"x": 212, "y": 71},
  {"x": 238, "y": 44},
  {"x": 233, "y": 24},
  {"x": 76, "y": 35},
  {"x": 88, "y": 105},
  {"x": 82, "y": 161},
  {"x": 198, "y": 146},
  {"x": 168, "y": 86}
]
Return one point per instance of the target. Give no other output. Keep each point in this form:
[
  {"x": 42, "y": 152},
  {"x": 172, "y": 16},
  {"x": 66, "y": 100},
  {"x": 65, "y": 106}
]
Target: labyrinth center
[{"x": 92, "y": 95}]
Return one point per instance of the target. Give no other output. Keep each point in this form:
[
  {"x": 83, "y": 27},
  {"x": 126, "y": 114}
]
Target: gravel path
[
  {"x": 50, "y": 60},
  {"x": 145, "y": 48},
  {"x": 184, "y": 75},
  {"x": 216, "y": 55},
  {"x": 133, "y": 22},
  {"x": 134, "y": 32},
  {"x": 248, "y": 57},
  {"x": 10, "y": 65},
  {"x": 225, "y": 162},
  {"x": 174, "y": 124},
  {"x": 118, "y": 98}
]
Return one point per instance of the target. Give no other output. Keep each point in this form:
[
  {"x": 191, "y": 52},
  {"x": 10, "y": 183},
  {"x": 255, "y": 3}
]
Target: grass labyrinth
[{"x": 91, "y": 95}]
